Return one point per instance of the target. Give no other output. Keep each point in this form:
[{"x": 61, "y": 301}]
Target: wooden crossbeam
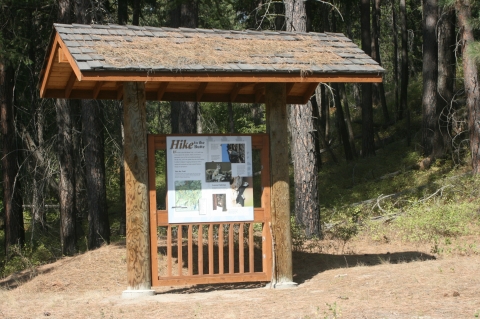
[
  {"x": 119, "y": 88},
  {"x": 259, "y": 89},
  {"x": 161, "y": 90},
  {"x": 308, "y": 92},
  {"x": 201, "y": 90},
  {"x": 289, "y": 88},
  {"x": 97, "y": 88},
  {"x": 236, "y": 89},
  {"x": 70, "y": 83}
]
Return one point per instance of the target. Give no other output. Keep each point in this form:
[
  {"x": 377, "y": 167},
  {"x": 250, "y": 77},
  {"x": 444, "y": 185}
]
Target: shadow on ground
[{"x": 307, "y": 265}]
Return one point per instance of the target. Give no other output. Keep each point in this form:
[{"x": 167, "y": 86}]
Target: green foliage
[
  {"x": 427, "y": 222},
  {"x": 298, "y": 235}
]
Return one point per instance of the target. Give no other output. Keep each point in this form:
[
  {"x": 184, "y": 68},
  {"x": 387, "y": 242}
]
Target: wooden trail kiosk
[{"x": 136, "y": 64}]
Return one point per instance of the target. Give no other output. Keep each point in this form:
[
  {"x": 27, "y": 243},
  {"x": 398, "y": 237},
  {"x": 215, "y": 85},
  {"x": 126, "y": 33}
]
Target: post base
[
  {"x": 283, "y": 285},
  {"x": 131, "y": 294}
]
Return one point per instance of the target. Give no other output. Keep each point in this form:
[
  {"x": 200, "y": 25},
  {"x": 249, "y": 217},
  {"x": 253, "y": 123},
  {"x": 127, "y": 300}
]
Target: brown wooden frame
[{"x": 261, "y": 215}]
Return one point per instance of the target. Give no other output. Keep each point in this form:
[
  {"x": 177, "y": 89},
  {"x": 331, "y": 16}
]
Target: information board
[{"x": 209, "y": 179}]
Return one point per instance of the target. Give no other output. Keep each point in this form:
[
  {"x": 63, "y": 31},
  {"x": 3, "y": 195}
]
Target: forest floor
[{"x": 364, "y": 279}]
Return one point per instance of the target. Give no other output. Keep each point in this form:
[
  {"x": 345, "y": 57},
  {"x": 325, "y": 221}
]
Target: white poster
[{"x": 210, "y": 179}]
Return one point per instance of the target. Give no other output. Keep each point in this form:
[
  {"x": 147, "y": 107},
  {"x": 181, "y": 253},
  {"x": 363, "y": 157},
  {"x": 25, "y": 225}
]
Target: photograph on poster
[
  {"x": 219, "y": 202},
  {"x": 187, "y": 195},
  {"x": 242, "y": 191},
  {"x": 218, "y": 172},
  {"x": 233, "y": 153}
]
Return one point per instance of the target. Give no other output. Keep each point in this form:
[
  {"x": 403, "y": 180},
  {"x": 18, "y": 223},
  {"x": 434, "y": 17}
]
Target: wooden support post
[
  {"x": 277, "y": 120},
  {"x": 139, "y": 274}
]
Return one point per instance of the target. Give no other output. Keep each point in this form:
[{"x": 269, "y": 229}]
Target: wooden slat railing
[{"x": 204, "y": 244}]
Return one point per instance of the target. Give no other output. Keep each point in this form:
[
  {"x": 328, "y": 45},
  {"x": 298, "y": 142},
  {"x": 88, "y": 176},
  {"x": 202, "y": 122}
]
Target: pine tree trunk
[
  {"x": 231, "y": 123},
  {"x": 379, "y": 92},
  {"x": 430, "y": 75},
  {"x": 66, "y": 162},
  {"x": 92, "y": 134},
  {"x": 368, "y": 143},
  {"x": 136, "y": 12},
  {"x": 342, "y": 128},
  {"x": 123, "y": 221},
  {"x": 12, "y": 205},
  {"x": 446, "y": 76},
  {"x": 348, "y": 120},
  {"x": 395, "y": 58},
  {"x": 470, "y": 74},
  {"x": 404, "y": 69},
  {"x": 68, "y": 236},
  {"x": 304, "y": 153},
  {"x": 122, "y": 14},
  {"x": 184, "y": 115}
]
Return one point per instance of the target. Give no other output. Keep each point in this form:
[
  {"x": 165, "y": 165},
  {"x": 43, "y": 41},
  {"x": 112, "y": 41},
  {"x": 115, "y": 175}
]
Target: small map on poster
[{"x": 209, "y": 179}]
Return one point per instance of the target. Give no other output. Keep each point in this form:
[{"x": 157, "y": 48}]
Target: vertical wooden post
[
  {"x": 136, "y": 180},
  {"x": 275, "y": 102}
]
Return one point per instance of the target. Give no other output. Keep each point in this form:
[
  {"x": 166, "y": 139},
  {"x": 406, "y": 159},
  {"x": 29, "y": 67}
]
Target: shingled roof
[{"x": 92, "y": 61}]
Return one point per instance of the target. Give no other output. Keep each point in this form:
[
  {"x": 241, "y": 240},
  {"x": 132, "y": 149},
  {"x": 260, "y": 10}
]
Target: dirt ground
[{"x": 369, "y": 281}]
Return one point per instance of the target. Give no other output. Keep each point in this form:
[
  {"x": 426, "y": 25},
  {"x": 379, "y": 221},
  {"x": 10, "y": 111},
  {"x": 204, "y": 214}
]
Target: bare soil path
[{"x": 371, "y": 281}]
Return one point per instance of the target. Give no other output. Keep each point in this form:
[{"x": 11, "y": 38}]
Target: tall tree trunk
[
  {"x": 122, "y": 12},
  {"x": 81, "y": 203},
  {"x": 348, "y": 121},
  {"x": 304, "y": 154},
  {"x": 342, "y": 128},
  {"x": 379, "y": 88},
  {"x": 231, "y": 123},
  {"x": 470, "y": 74},
  {"x": 341, "y": 122},
  {"x": 93, "y": 143},
  {"x": 404, "y": 69},
  {"x": 184, "y": 115},
  {"x": 316, "y": 109},
  {"x": 39, "y": 180},
  {"x": 395, "y": 58},
  {"x": 14, "y": 228},
  {"x": 446, "y": 75},
  {"x": 68, "y": 237},
  {"x": 317, "y": 133},
  {"x": 368, "y": 143},
  {"x": 92, "y": 134},
  {"x": 430, "y": 74},
  {"x": 136, "y": 12},
  {"x": 123, "y": 221}
]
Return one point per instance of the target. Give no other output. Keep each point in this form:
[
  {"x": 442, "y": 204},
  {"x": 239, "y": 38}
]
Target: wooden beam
[
  {"x": 97, "y": 88},
  {"x": 289, "y": 88},
  {"x": 229, "y": 77},
  {"x": 48, "y": 69},
  {"x": 236, "y": 88},
  {"x": 201, "y": 90},
  {"x": 119, "y": 90},
  {"x": 259, "y": 89},
  {"x": 70, "y": 83},
  {"x": 161, "y": 90},
  {"x": 308, "y": 92},
  {"x": 276, "y": 108},
  {"x": 136, "y": 190}
]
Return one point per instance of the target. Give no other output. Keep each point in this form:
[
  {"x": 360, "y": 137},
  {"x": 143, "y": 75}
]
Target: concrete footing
[
  {"x": 131, "y": 294},
  {"x": 282, "y": 285}
]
